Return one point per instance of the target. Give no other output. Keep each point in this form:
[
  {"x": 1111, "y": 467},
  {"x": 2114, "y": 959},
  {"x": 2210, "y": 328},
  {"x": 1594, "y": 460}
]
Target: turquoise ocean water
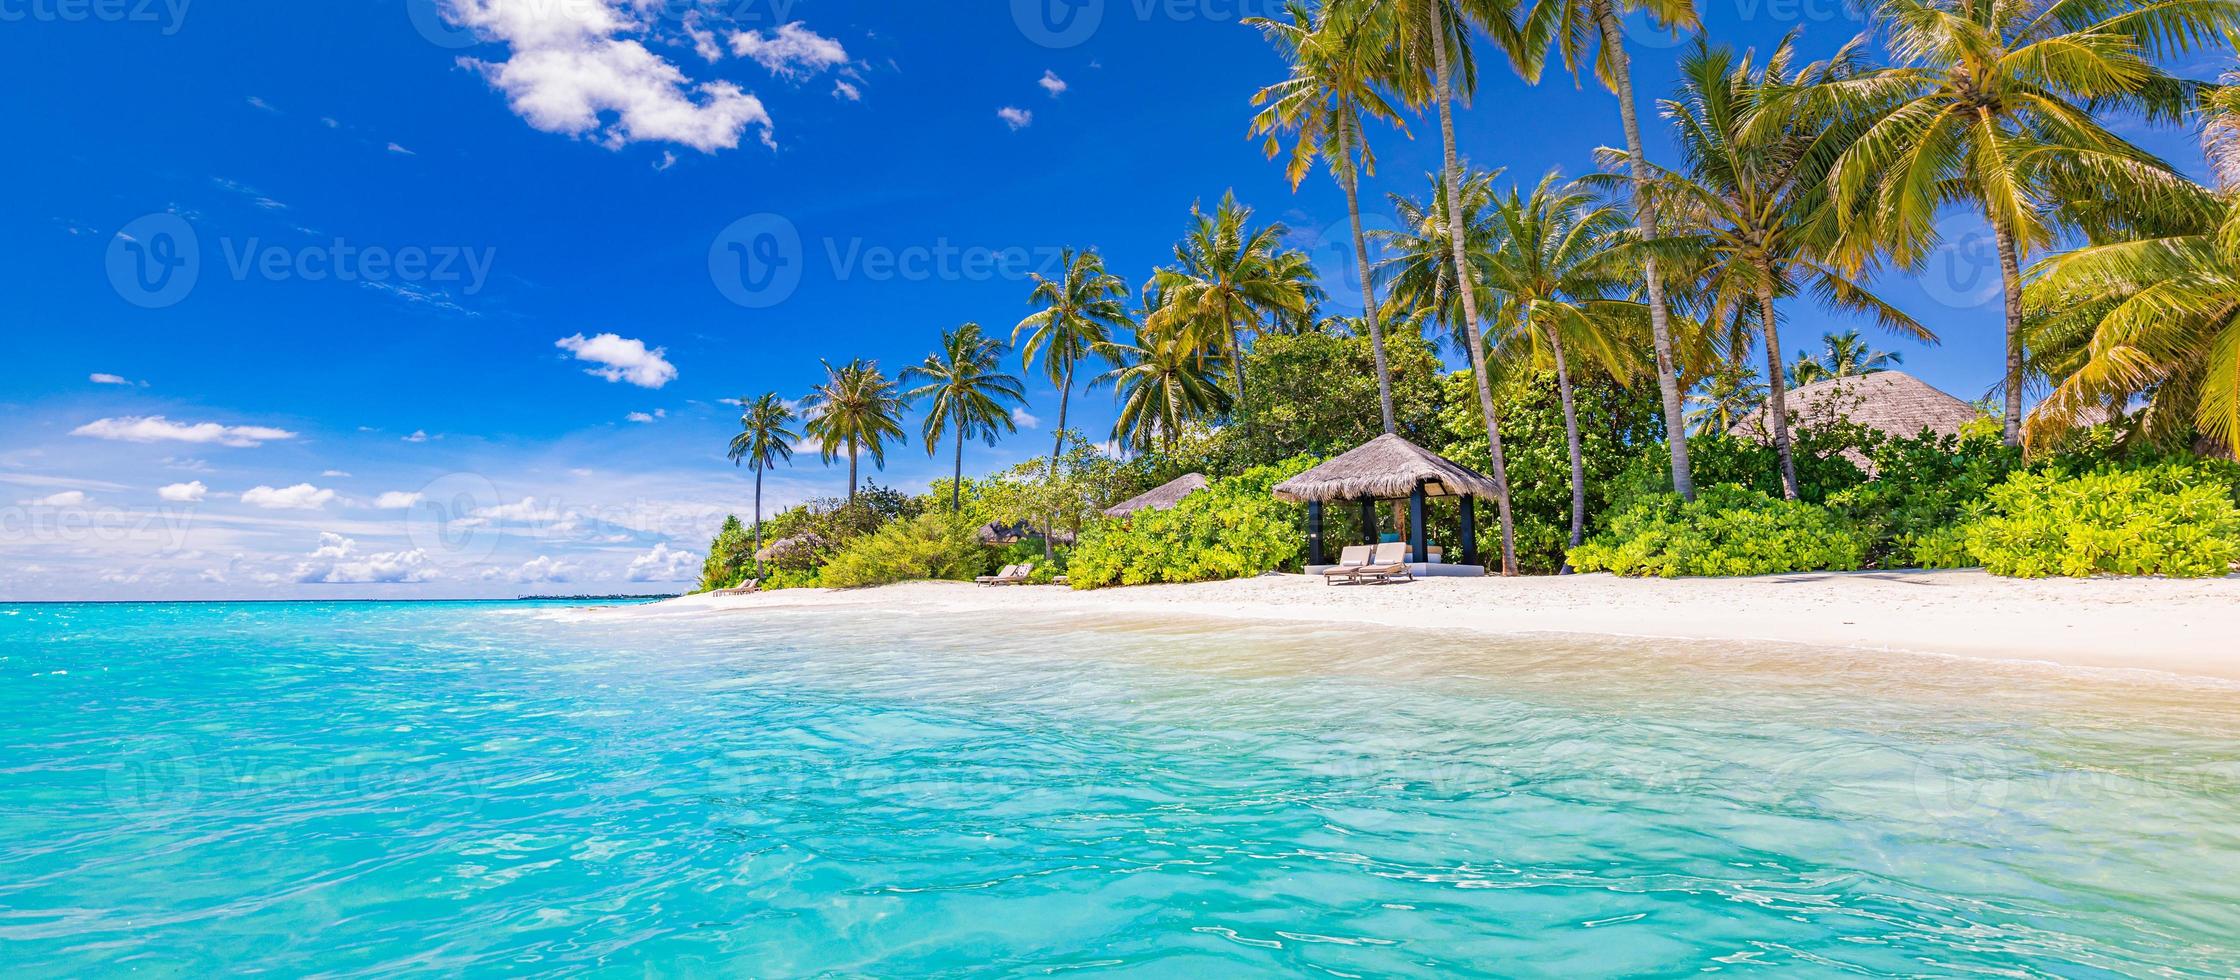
[{"x": 376, "y": 789}]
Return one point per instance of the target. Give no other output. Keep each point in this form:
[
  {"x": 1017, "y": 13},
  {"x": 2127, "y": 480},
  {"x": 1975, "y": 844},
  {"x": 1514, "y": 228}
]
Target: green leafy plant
[
  {"x": 1922, "y": 488},
  {"x": 2170, "y": 519},
  {"x": 928, "y": 546},
  {"x": 1234, "y": 528},
  {"x": 1726, "y": 530}
]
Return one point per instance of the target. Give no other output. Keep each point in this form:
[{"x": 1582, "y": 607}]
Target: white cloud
[
  {"x": 577, "y": 68},
  {"x": 184, "y": 493},
  {"x": 156, "y": 428},
  {"x": 537, "y": 570},
  {"x": 665, "y": 564},
  {"x": 108, "y": 379},
  {"x": 401, "y": 151},
  {"x": 396, "y": 500},
  {"x": 337, "y": 562},
  {"x": 418, "y": 435},
  {"x": 302, "y": 496},
  {"x": 336, "y": 473},
  {"x": 844, "y": 89},
  {"x": 645, "y": 418},
  {"x": 67, "y": 498},
  {"x": 1023, "y": 420},
  {"x": 1052, "y": 84},
  {"x": 1016, "y": 117},
  {"x": 791, "y": 51},
  {"x": 262, "y": 104},
  {"x": 622, "y": 359},
  {"x": 529, "y": 511}
]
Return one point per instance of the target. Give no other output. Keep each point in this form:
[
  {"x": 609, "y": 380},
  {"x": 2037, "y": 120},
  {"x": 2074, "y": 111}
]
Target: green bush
[
  {"x": 1234, "y": 528},
  {"x": 2171, "y": 519},
  {"x": 928, "y": 546},
  {"x": 1727, "y": 530},
  {"x": 1715, "y": 458},
  {"x": 1921, "y": 490}
]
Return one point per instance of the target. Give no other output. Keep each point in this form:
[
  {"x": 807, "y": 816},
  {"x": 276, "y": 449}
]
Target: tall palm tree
[
  {"x": 1571, "y": 27},
  {"x": 1079, "y": 311},
  {"x": 1991, "y": 104},
  {"x": 1723, "y": 398},
  {"x": 1337, "y": 60},
  {"x": 1842, "y": 355},
  {"x": 765, "y": 438},
  {"x": 1229, "y": 279},
  {"x": 1418, "y": 268},
  {"x": 969, "y": 394},
  {"x": 855, "y": 410},
  {"x": 2159, "y": 317},
  {"x": 1437, "y": 34},
  {"x": 1164, "y": 387},
  {"x": 1748, "y": 208},
  {"x": 1555, "y": 288}
]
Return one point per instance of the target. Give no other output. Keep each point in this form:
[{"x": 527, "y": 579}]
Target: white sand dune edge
[{"x": 2183, "y": 627}]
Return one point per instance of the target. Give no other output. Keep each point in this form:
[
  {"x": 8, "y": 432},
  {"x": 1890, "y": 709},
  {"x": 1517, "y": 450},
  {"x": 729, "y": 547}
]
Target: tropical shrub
[
  {"x": 1727, "y": 530},
  {"x": 1315, "y": 394},
  {"x": 2171, "y": 519},
  {"x": 1923, "y": 487},
  {"x": 928, "y": 546},
  {"x": 1820, "y": 449},
  {"x": 1234, "y": 528},
  {"x": 730, "y": 555}
]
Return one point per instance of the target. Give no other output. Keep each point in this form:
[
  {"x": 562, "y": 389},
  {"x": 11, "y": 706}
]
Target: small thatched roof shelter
[
  {"x": 1162, "y": 497},
  {"x": 1892, "y": 401},
  {"x": 779, "y": 548},
  {"x": 996, "y": 534},
  {"x": 1385, "y": 468}
]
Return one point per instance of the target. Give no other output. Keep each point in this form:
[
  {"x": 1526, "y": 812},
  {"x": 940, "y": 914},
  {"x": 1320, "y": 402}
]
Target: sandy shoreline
[{"x": 2183, "y": 627}]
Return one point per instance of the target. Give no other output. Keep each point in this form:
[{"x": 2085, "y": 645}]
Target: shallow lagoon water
[{"x": 364, "y": 789}]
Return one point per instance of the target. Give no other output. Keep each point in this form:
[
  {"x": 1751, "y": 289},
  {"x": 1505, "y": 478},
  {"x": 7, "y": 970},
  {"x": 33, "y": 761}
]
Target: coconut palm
[
  {"x": 1436, "y": 35},
  {"x": 969, "y": 394},
  {"x": 2159, "y": 317},
  {"x": 1556, "y": 293},
  {"x": 1571, "y": 27},
  {"x": 856, "y": 410},
  {"x": 1079, "y": 311},
  {"x": 1337, "y": 60},
  {"x": 1991, "y": 105},
  {"x": 1164, "y": 387},
  {"x": 765, "y": 438},
  {"x": 1230, "y": 279},
  {"x": 1724, "y": 398},
  {"x": 1842, "y": 355},
  {"x": 1748, "y": 209},
  {"x": 1418, "y": 267}
]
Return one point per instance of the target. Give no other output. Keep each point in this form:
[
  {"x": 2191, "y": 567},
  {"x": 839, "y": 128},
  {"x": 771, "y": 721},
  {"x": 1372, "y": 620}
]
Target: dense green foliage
[
  {"x": 1234, "y": 528},
  {"x": 2170, "y": 520},
  {"x": 928, "y": 546},
  {"x": 1316, "y": 394},
  {"x": 1921, "y": 490},
  {"x": 730, "y": 556},
  {"x": 1726, "y": 530},
  {"x": 1615, "y": 422}
]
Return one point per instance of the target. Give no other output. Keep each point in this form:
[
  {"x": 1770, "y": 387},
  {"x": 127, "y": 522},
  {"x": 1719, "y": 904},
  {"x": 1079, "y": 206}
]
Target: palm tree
[
  {"x": 1336, "y": 63},
  {"x": 1553, "y": 280},
  {"x": 1230, "y": 278},
  {"x": 1079, "y": 312},
  {"x": 970, "y": 394},
  {"x": 857, "y": 410},
  {"x": 1442, "y": 29},
  {"x": 1418, "y": 267},
  {"x": 1723, "y": 398},
  {"x": 1749, "y": 205},
  {"x": 1570, "y": 26},
  {"x": 1843, "y": 355},
  {"x": 765, "y": 438},
  {"x": 1164, "y": 387},
  {"x": 1991, "y": 104},
  {"x": 2159, "y": 316}
]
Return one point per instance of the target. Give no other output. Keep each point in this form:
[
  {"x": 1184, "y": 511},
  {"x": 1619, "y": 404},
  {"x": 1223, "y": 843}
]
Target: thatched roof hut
[
  {"x": 1162, "y": 497},
  {"x": 1892, "y": 401},
  {"x": 778, "y": 549},
  {"x": 1385, "y": 468},
  {"x": 996, "y": 534}
]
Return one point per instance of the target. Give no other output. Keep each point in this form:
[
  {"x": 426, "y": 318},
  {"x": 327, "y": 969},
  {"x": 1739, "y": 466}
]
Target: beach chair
[
  {"x": 1016, "y": 575},
  {"x": 1350, "y": 561},
  {"x": 1389, "y": 564},
  {"x": 1006, "y": 572}
]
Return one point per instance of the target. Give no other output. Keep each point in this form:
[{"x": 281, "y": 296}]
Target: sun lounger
[
  {"x": 1006, "y": 572},
  {"x": 1389, "y": 564},
  {"x": 1011, "y": 575},
  {"x": 1350, "y": 562}
]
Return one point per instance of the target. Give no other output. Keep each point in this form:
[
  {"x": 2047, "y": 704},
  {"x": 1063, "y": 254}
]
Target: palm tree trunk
[
  {"x": 1369, "y": 299},
  {"x": 851, "y": 473},
  {"x": 1451, "y": 175},
  {"x": 1571, "y": 441},
  {"x": 1057, "y": 448},
  {"x": 956, "y": 477},
  {"x": 758, "y": 521},
  {"x": 1660, "y": 325},
  {"x": 1777, "y": 404},
  {"x": 2010, "y": 274}
]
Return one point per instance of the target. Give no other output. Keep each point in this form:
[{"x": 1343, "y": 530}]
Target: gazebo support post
[
  {"x": 1419, "y": 550},
  {"x": 1369, "y": 520},
  {"x": 1314, "y": 533},
  {"x": 1469, "y": 530}
]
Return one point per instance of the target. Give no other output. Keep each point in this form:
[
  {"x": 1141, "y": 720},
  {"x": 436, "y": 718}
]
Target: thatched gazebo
[
  {"x": 1162, "y": 497},
  {"x": 1389, "y": 468},
  {"x": 1892, "y": 401}
]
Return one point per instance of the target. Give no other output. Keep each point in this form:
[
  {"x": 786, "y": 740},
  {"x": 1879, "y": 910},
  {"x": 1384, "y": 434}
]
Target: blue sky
[{"x": 472, "y": 258}]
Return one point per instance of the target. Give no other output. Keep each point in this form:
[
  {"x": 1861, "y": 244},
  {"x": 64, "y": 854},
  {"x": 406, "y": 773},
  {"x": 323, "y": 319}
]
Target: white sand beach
[{"x": 2183, "y": 627}]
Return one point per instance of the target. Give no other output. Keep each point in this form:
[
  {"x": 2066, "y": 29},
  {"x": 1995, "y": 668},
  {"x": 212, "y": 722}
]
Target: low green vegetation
[
  {"x": 1726, "y": 530},
  {"x": 2172, "y": 520},
  {"x": 1234, "y": 528},
  {"x": 928, "y": 546}
]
